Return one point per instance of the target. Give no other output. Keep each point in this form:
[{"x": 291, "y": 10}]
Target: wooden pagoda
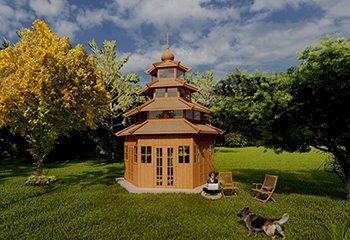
[{"x": 170, "y": 145}]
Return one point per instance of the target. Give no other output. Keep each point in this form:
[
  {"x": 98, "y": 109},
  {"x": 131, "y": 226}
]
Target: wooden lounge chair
[
  {"x": 266, "y": 188},
  {"x": 225, "y": 179}
]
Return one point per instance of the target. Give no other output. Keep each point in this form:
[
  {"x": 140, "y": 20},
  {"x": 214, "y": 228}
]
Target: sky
[{"x": 218, "y": 35}]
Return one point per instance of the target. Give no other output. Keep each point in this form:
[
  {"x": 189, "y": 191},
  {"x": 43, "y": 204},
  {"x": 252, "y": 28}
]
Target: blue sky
[{"x": 217, "y": 35}]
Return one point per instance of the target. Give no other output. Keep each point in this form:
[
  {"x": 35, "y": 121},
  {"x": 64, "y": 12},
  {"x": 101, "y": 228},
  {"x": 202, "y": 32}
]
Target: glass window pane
[
  {"x": 172, "y": 92},
  {"x": 184, "y": 154},
  {"x": 160, "y": 93},
  {"x": 159, "y": 152},
  {"x": 181, "y": 150},
  {"x": 182, "y": 93},
  {"x": 180, "y": 74},
  {"x": 197, "y": 115},
  {"x": 175, "y": 114},
  {"x": 187, "y": 149},
  {"x": 156, "y": 114},
  {"x": 189, "y": 114},
  {"x": 166, "y": 73}
]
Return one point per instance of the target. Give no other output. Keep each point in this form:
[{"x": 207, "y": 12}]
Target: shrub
[{"x": 235, "y": 139}]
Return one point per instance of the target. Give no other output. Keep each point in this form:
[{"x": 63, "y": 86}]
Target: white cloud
[
  {"x": 48, "y": 8},
  {"x": 65, "y": 28},
  {"x": 168, "y": 14},
  {"x": 337, "y": 8},
  {"x": 6, "y": 11},
  {"x": 275, "y": 5},
  {"x": 11, "y": 18},
  {"x": 89, "y": 18}
]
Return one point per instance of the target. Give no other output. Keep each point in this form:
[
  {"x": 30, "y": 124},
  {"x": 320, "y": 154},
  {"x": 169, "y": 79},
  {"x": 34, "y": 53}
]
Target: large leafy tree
[
  {"x": 121, "y": 88},
  {"x": 307, "y": 106},
  {"x": 48, "y": 89},
  {"x": 321, "y": 93},
  {"x": 251, "y": 106}
]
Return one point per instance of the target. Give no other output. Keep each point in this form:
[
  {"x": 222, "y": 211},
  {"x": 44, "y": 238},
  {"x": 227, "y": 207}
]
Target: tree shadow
[
  {"x": 36, "y": 193},
  {"x": 23, "y": 168},
  {"x": 11, "y": 167},
  {"x": 227, "y": 150},
  {"x": 310, "y": 182},
  {"x": 105, "y": 176}
]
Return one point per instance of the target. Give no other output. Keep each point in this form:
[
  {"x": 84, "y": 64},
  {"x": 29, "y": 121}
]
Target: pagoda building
[{"x": 170, "y": 145}]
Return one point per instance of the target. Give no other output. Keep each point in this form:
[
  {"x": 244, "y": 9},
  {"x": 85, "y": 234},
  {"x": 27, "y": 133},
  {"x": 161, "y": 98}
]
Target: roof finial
[
  {"x": 167, "y": 40},
  {"x": 167, "y": 55}
]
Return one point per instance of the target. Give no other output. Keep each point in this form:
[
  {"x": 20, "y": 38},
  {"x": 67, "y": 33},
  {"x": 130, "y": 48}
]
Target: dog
[{"x": 258, "y": 223}]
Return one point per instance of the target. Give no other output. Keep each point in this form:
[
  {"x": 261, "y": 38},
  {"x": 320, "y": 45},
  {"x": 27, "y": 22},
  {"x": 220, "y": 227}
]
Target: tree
[
  {"x": 307, "y": 106},
  {"x": 250, "y": 106},
  {"x": 321, "y": 96},
  {"x": 48, "y": 89},
  {"x": 121, "y": 89},
  {"x": 205, "y": 81}
]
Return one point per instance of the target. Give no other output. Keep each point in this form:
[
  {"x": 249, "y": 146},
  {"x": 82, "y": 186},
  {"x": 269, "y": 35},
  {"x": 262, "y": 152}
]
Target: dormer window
[{"x": 166, "y": 73}]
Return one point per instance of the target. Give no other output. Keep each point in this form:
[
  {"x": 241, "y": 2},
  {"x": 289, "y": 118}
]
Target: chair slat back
[
  {"x": 270, "y": 181},
  {"x": 225, "y": 177}
]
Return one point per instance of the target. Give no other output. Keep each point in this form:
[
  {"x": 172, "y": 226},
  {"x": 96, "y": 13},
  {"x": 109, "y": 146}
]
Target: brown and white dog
[{"x": 257, "y": 223}]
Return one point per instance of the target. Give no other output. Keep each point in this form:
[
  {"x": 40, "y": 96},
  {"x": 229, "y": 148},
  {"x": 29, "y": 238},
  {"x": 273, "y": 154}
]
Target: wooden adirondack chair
[
  {"x": 225, "y": 179},
  {"x": 266, "y": 188}
]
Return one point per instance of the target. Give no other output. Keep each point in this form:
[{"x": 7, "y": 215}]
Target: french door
[{"x": 165, "y": 167}]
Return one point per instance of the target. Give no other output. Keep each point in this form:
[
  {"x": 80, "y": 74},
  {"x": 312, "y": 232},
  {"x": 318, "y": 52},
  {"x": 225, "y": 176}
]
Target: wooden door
[{"x": 165, "y": 160}]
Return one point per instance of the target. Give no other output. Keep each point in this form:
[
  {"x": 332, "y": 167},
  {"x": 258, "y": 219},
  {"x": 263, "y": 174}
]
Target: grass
[{"x": 87, "y": 204}]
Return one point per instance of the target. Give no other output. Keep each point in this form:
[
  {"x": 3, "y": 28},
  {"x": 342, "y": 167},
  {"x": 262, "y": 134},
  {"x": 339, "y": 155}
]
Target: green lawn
[{"x": 88, "y": 204}]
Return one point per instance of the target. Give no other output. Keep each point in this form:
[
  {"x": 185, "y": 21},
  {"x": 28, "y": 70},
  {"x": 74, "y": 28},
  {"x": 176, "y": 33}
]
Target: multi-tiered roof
[{"x": 168, "y": 109}]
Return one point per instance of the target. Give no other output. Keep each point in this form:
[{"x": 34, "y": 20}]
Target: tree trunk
[
  {"x": 347, "y": 188},
  {"x": 40, "y": 166},
  {"x": 342, "y": 157},
  {"x": 110, "y": 150}
]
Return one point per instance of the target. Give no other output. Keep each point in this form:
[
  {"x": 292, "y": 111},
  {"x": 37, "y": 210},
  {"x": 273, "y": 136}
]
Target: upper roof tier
[
  {"x": 167, "y": 62},
  {"x": 168, "y": 83}
]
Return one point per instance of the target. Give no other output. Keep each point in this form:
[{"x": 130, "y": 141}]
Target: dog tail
[{"x": 283, "y": 219}]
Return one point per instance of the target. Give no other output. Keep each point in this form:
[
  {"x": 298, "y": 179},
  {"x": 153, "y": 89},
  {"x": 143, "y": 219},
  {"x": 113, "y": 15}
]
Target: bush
[{"x": 234, "y": 139}]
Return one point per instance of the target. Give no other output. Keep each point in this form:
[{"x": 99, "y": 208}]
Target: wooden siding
[{"x": 185, "y": 175}]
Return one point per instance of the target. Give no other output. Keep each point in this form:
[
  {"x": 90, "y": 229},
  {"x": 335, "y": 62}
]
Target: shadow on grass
[
  {"x": 37, "y": 192},
  {"x": 311, "y": 182},
  {"x": 104, "y": 176},
  {"x": 227, "y": 150},
  {"x": 15, "y": 168}
]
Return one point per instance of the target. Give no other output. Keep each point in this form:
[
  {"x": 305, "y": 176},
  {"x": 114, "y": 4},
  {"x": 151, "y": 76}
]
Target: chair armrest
[{"x": 257, "y": 184}]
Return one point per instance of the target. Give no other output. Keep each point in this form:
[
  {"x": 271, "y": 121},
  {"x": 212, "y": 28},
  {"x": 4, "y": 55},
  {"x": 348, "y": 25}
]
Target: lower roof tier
[{"x": 169, "y": 126}]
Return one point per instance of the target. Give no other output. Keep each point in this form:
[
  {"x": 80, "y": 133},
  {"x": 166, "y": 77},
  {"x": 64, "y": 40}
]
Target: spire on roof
[{"x": 167, "y": 55}]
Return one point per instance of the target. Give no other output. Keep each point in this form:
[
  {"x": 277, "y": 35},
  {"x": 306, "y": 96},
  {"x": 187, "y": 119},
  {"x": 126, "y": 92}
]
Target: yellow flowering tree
[{"x": 48, "y": 88}]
